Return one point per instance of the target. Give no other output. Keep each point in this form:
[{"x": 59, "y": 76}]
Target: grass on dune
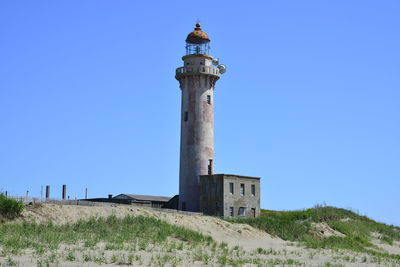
[
  {"x": 124, "y": 239},
  {"x": 298, "y": 226},
  {"x": 115, "y": 232}
]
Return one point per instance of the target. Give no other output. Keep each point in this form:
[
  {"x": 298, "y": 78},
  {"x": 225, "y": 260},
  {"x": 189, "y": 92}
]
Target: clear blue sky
[{"x": 310, "y": 101}]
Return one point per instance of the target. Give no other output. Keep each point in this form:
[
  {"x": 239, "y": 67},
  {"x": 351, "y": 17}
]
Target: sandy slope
[
  {"x": 233, "y": 234},
  {"x": 244, "y": 236}
]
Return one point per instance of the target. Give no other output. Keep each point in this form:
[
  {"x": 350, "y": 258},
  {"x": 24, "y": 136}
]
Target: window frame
[
  {"x": 242, "y": 189},
  {"x": 231, "y": 212},
  {"x": 242, "y": 211},
  {"x": 231, "y": 188},
  {"x": 210, "y": 166}
]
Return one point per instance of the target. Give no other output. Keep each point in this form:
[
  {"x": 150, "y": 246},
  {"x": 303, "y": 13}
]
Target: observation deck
[{"x": 194, "y": 70}]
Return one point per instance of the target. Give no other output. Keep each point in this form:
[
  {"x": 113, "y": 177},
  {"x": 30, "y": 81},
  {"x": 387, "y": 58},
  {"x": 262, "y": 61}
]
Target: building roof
[
  {"x": 235, "y": 175},
  {"x": 145, "y": 198},
  {"x": 197, "y": 36}
]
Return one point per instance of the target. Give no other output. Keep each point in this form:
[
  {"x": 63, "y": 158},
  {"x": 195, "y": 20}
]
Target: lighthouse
[{"x": 197, "y": 78}]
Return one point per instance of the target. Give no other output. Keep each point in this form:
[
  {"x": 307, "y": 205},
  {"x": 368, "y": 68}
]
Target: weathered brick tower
[{"x": 197, "y": 79}]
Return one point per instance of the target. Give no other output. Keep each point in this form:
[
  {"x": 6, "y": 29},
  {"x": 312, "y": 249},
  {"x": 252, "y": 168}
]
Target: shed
[{"x": 156, "y": 201}]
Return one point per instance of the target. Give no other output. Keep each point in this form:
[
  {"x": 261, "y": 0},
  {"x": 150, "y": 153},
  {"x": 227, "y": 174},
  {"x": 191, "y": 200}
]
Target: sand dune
[{"x": 245, "y": 242}]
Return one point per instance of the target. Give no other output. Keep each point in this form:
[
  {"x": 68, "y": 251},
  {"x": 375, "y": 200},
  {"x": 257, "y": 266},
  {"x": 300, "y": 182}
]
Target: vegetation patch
[
  {"x": 123, "y": 241},
  {"x": 139, "y": 231},
  {"x": 298, "y": 226},
  {"x": 10, "y": 208}
]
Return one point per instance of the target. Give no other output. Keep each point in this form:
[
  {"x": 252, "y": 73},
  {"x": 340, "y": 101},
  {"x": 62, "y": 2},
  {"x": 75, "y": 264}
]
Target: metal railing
[{"x": 197, "y": 70}]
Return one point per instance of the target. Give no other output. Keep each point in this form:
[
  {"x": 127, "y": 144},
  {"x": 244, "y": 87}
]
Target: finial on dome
[{"x": 198, "y": 26}]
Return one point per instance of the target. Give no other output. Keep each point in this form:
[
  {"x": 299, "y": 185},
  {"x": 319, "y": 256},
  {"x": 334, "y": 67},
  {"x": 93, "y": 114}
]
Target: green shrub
[{"x": 9, "y": 207}]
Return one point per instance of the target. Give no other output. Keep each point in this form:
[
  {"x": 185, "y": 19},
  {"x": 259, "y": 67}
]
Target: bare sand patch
[
  {"x": 388, "y": 248},
  {"x": 323, "y": 230}
]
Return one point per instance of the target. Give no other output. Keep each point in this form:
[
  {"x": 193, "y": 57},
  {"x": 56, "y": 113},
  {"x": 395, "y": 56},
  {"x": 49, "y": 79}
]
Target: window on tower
[
  {"x": 210, "y": 167},
  {"x": 209, "y": 99},
  {"x": 186, "y": 116}
]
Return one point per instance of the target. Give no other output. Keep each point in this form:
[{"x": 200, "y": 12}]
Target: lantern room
[{"x": 197, "y": 42}]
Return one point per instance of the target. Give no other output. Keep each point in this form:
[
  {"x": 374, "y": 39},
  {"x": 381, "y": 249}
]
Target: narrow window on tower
[
  {"x": 253, "y": 189},
  {"x": 209, "y": 99},
  {"x": 210, "y": 167},
  {"x": 186, "y": 116},
  {"x": 231, "y": 188}
]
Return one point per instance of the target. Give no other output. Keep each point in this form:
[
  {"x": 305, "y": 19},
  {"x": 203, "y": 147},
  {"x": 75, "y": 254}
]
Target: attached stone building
[{"x": 229, "y": 195}]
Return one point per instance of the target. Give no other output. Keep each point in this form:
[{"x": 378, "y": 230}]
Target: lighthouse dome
[{"x": 197, "y": 36}]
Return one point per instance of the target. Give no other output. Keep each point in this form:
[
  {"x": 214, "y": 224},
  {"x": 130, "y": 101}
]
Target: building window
[
  {"x": 242, "y": 211},
  {"x": 231, "y": 212},
  {"x": 186, "y": 116},
  {"x": 242, "y": 189},
  {"x": 253, "y": 189},
  {"x": 209, "y": 99},
  {"x": 210, "y": 167},
  {"x": 231, "y": 188},
  {"x": 216, "y": 190}
]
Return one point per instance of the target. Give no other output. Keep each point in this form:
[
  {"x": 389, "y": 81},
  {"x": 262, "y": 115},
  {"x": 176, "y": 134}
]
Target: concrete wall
[
  {"x": 212, "y": 195},
  {"x": 237, "y": 201},
  {"x": 197, "y": 126},
  {"x": 224, "y": 199}
]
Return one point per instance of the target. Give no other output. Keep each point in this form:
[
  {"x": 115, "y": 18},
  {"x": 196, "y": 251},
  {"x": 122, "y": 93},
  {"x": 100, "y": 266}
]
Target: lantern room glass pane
[{"x": 197, "y": 49}]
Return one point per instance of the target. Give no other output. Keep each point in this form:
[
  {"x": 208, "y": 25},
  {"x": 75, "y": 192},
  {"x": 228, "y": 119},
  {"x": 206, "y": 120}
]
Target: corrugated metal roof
[{"x": 144, "y": 197}]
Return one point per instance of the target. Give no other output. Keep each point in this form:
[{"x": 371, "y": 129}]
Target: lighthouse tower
[{"x": 197, "y": 80}]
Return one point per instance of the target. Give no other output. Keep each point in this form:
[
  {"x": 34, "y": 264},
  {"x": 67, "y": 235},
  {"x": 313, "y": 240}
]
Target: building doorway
[{"x": 253, "y": 212}]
